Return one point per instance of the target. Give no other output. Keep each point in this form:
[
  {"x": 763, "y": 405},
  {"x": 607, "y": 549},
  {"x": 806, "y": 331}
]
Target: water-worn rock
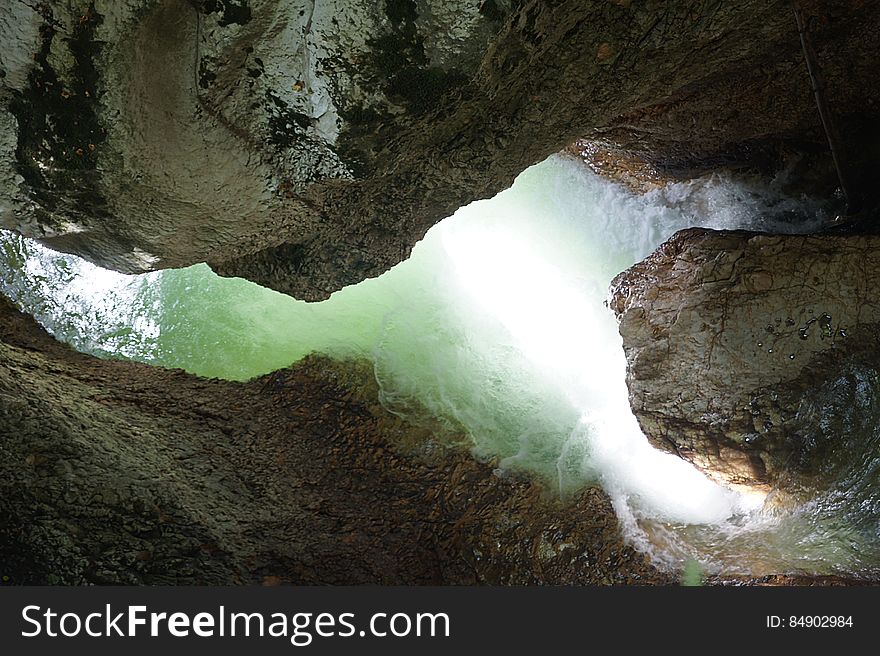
[
  {"x": 308, "y": 145},
  {"x": 147, "y": 134},
  {"x": 114, "y": 472},
  {"x": 756, "y": 357}
]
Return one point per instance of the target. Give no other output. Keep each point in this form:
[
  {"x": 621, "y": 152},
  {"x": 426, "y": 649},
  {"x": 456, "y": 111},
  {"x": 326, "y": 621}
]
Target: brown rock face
[
  {"x": 115, "y": 472},
  {"x": 756, "y": 356}
]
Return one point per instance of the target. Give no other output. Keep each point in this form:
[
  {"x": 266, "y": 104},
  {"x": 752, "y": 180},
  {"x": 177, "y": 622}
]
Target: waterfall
[{"x": 497, "y": 326}]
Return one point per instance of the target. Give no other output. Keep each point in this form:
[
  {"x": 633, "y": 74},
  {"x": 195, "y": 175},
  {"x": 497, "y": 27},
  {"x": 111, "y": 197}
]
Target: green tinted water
[{"x": 497, "y": 325}]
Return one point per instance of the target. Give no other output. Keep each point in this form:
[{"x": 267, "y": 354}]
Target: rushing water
[{"x": 497, "y": 325}]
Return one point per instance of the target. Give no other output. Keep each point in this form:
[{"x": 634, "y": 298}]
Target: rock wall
[
  {"x": 756, "y": 357},
  {"x": 119, "y": 473},
  {"x": 308, "y": 144},
  {"x": 157, "y": 133}
]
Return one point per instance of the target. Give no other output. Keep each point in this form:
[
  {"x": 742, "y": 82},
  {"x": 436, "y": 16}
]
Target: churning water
[{"x": 496, "y": 325}]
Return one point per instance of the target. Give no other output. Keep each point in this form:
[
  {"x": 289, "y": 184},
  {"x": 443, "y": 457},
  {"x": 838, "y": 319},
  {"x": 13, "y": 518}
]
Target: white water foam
[{"x": 497, "y": 325}]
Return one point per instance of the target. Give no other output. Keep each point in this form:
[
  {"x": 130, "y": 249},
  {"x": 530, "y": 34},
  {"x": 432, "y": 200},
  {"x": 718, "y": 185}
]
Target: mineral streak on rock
[{"x": 740, "y": 348}]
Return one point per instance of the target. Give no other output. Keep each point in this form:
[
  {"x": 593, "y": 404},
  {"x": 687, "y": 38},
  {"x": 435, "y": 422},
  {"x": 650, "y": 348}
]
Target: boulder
[{"x": 756, "y": 356}]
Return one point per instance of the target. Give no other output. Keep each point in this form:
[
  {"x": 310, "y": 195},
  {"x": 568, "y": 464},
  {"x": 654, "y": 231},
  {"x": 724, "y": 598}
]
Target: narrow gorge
[{"x": 439, "y": 292}]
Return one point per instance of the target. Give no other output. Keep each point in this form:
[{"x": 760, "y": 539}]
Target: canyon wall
[
  {"x": 308, "y": 144},
  {"x": 121, "y": 473}
]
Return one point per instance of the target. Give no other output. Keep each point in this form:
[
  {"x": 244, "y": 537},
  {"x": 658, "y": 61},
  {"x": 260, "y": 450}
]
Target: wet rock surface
[
  {"x": 159, "y": 133},
  {"x": 120, "y": 473},
  {"x": 755, "y": 356},
  {"x": 306, "y": 145}
]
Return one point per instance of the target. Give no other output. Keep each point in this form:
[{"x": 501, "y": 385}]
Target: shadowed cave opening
[{"x": 497, "y": 327}]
